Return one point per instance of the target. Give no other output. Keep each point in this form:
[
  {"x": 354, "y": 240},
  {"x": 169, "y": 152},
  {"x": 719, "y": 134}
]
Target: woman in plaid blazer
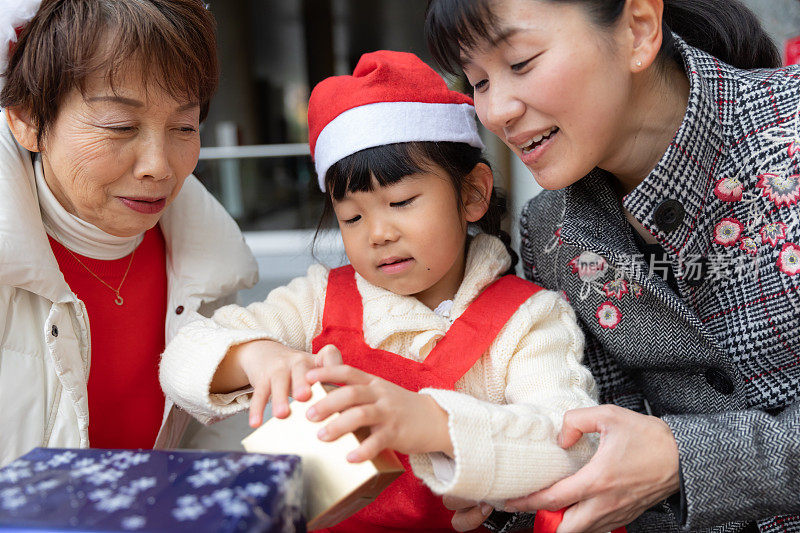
[{"x": 671, "y": 224}]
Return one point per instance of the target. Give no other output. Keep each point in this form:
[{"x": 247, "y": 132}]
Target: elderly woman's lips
[{"x": 148, "y": 207}]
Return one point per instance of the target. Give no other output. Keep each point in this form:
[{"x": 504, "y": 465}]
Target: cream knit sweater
[{"x": 505, "y": 413}]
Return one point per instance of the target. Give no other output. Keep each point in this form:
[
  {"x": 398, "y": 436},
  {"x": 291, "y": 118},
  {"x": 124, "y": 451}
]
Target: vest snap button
[{"x": 179, "y": 310}]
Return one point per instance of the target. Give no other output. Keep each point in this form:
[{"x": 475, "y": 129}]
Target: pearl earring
[{"x": 638, "y": 62}]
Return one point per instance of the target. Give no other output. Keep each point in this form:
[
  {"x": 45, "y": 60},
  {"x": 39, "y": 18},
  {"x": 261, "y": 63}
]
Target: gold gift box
[{"x": 333, "y": 487}]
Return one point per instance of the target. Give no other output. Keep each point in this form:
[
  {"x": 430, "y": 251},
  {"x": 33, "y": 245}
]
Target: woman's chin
[
  {"x": 549, "y": 181},
  {"x": 129, "y": 229}
]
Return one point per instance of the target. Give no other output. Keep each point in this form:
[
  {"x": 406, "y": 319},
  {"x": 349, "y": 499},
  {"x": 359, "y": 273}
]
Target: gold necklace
[{"x": 118, "y": 300}]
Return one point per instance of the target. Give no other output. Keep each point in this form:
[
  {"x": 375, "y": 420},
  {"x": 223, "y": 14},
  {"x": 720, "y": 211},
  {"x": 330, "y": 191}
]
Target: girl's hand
[
  {"x": 636, "y": 466},
  {"x": 398, "y": 418},
  {"x": 273, "y": 369}
]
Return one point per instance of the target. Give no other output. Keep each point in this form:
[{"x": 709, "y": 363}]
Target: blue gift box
[{"x": 134, "y": 490}]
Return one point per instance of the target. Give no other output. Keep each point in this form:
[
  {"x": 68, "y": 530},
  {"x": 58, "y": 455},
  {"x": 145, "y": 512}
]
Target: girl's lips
[
  {"x": 148, "y": 207},
  {"x": 396, "y": 267},
  {"x": 530, "y": 158}
]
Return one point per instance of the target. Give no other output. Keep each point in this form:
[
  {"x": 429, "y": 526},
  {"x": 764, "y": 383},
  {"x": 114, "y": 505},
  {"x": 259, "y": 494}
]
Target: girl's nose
[
  {"x": 502, "y": 108},
  {"x": 382, "y": 231}
]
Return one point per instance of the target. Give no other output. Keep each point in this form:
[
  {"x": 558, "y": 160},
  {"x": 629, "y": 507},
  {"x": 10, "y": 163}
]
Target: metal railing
[{"x": 254, "y": 151}]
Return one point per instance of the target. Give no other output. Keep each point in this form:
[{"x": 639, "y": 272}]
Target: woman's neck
[
  {"x": 75, "y": 234},
  {"x": 657, "y": 110}
]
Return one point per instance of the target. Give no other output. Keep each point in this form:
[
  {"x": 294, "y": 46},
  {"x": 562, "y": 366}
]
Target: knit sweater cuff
[
  {"x": 500, "y": 451},
  {"x": 189, "y": 363},
  {"x": 471, "y": 478}
]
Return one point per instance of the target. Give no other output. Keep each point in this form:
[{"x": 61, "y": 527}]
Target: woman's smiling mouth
[{"x": 535, "y": 147}]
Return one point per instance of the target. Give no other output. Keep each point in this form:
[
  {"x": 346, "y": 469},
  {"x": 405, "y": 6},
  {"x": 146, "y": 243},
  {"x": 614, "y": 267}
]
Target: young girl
[{"x": 446, "y": 358}]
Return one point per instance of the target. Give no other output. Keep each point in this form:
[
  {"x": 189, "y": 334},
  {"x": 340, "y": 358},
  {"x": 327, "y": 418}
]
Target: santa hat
[
  {"x": 392, "y": 97},
  {"x": 14, "y": 15}
]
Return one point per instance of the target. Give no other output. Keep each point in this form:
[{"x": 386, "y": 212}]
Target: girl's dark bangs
[
  {"x": 388, "y": 164},
  {"x": 452, "y": 26}
]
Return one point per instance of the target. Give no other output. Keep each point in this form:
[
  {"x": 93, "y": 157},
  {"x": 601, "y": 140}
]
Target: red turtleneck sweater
[{"x": 125, "y": 399}]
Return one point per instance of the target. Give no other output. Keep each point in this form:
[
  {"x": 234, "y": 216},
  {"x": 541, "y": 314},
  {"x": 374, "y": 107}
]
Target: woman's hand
[
  {"x": 636, "y": 466},
  {"x": 272, "y": 369},
  {"x": 398, "y": 418},
  {"x": 468, "y": 515}
]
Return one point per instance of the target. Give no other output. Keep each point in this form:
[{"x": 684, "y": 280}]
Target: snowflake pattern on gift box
[
  {"x": 133, "y": 522},
  {"x": 128, "y": 490}
]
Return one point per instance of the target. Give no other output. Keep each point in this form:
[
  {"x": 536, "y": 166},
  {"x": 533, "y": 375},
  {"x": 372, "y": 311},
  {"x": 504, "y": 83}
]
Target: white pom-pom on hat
[{"x": 13, "y": 14}]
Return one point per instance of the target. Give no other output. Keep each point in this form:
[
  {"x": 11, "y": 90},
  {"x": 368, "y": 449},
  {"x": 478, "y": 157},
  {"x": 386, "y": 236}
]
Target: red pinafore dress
[{"x": 407, "y": 504}]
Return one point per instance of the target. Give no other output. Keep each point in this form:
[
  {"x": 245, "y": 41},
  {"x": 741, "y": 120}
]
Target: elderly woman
[{"x": 101, "y": 222}]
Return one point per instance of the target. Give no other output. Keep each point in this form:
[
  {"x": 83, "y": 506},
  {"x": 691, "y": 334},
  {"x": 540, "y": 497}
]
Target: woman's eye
[
  {"x": 352, "y": 220},
  {"x": 516, "y": 67},
  {"x": 403, "y": 203},
  {"x": 480, "y": 85}
]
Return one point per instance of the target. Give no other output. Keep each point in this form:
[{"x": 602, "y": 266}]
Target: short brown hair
[{"x": 68, "y": 40}]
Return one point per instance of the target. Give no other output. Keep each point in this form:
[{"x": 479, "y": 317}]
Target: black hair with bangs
[
  {"x": 391, "y": 163},
  {"x": 726, "y": 29}
]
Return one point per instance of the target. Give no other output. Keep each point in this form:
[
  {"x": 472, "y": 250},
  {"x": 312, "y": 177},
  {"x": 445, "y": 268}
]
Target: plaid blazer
[{"x": 719, "y": 360}]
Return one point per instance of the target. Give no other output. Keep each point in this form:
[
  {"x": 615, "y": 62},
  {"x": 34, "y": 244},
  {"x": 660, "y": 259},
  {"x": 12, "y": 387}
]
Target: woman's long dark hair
[
  {"x": 391, "y": 163},
  {"x": 726, "y": 29}
]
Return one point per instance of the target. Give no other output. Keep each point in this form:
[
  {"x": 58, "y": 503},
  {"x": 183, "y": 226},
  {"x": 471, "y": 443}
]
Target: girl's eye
[
  {"x": 403, "y": 203},
  {"x": 352, "y": 220}
]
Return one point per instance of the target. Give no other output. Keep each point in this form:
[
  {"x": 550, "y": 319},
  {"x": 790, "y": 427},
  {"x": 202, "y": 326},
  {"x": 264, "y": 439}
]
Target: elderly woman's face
[{"x": 117, "y": 158}]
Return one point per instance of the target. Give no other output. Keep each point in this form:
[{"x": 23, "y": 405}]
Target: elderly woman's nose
[
  {"x": 153, "y": 159},
  {"x": 502, "y": 107}
]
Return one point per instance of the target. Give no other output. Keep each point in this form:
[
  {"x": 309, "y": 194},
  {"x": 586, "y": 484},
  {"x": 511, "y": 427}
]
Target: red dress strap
[{"x": 343, "y": 306}]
